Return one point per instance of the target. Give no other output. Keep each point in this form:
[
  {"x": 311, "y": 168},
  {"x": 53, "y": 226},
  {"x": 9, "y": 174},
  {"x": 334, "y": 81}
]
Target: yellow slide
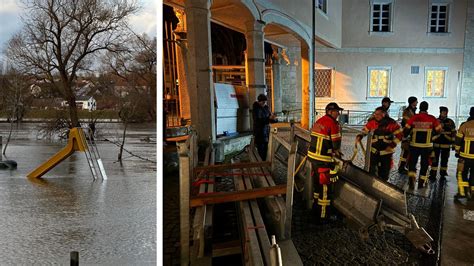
[{"x": 76, "y": 142}]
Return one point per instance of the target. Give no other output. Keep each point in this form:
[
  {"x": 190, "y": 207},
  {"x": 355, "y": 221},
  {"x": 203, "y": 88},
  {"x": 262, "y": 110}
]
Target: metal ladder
[{"x": 92, "y": 156}]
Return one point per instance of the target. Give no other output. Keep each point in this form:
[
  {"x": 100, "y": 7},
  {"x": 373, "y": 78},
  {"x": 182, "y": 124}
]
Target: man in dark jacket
[
  {"x": 262, "y": 117},
  {"x": 442, "y": 144},
  {"x": 407, "y": 114},
  {"x": 420, "y": 127},
  {"x": 465, "y": 155}
]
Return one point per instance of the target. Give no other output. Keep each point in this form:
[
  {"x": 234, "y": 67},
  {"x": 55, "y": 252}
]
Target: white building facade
[
  {"x": 365, "y": 50},
  {"x": 398, "y": 49}
]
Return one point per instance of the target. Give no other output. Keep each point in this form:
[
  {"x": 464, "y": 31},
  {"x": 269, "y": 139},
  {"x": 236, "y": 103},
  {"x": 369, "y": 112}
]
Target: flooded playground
[{"x": 107, "y": 222}]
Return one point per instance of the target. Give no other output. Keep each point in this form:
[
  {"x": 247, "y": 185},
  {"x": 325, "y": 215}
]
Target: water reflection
[{"x": 111, "y": 222}]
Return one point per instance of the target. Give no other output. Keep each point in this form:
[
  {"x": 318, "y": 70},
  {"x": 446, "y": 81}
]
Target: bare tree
[
  {"x": 60, "y": 38},
  {"x": 137, "y": 67},
  {"x": 128, "y": 109},
  {"x": 14, "y": 99}
]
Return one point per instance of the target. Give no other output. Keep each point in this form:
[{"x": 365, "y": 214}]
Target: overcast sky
[{"x": 145, "y": 21}]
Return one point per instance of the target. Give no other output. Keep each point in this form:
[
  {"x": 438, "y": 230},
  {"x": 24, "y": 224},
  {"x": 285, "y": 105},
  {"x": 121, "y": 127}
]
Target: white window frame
[
  {"x": 369, "y": 69},
  {"x": 425, "y": 83},
  {"x": 390, "y": 18},
  {"x": 333, "y": 80},
  {"x": 448, "y": 4},
  {"x": 322, "y": 6}
]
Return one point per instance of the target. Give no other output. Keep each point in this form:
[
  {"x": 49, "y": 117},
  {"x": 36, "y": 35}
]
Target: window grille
[{"x": 323, "y": 82}]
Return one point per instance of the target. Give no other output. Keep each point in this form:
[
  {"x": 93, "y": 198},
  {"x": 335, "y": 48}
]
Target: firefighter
[
  {"x": 386, "y": 134},
  {"x": 325, "y": 145},
  {"x": 465, "y": 155},
  {"x": 421, "y": 127},
  {"x": 442, "y": 144},
  {"x": 407, "y": 114},
  {"x": 386, "y": 102}
]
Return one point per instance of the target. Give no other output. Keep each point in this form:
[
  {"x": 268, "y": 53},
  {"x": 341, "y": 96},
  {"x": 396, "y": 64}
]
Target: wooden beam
[
  {"x": 237, "y": 195},
  {"x": 223, "y": 167}
]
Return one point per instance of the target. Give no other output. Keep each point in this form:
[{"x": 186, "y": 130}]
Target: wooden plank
[
  {"x": 209, "y": 214},
  {"x": 224, "y": 167},
  {"x": 197, "y": 250},
  {"x": 276, "y": 205},
  {"x": 233, "y": 196},
  {"x": 184, "y": 183},
  {"x": 271, "y": 147},
  {"x": 259, "y": 225},
  {"x": 283, "y": 142},
  {"x": 177, "y": 139},
  {"x": 251, "y": 249},
  {"x": 289, "y": 189},
  {"x": 232, "y": 247}
]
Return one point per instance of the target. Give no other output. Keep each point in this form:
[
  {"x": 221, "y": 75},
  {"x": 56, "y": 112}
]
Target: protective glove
[{"x": 333, "y": 173}]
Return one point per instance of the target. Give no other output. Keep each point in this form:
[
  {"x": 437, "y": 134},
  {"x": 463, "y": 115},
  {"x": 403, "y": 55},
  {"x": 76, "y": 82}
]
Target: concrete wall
[
  {"x": 468, "y": 74},
  {"x": 351, "y": 82},
  {"x": 410, "y": 25},
  {"x": 291, "y": 80}
]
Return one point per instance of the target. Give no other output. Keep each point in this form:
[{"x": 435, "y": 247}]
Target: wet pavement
[
  {"x": 327, "y": 244},
  {"x": 449, "y": 223},
  {"x": 108, "y": 222}
]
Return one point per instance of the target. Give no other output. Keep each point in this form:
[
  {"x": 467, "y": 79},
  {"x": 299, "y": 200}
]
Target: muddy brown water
[{"x": 108, "y": 222}]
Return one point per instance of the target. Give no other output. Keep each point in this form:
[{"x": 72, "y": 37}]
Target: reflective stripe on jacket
[
  {"x": 325, "y": 139},
  {"x": 386, "y": 135},
  {"x": 464, "y": 139},
  {"x": 422, "y": 127}
]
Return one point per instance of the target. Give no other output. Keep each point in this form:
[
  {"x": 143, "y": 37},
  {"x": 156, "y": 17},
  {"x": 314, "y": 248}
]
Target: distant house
[{"x": 83, "y": 102}]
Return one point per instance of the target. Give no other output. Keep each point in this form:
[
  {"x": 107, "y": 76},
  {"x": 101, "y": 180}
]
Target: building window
[
  {"x": 435, "y": 82},
  {"x": 323, "y": 83},
  {"x": 379, "y": 81},
  {"x": 381, "y": 16},
  {"x": 323, "y": 6},
  {"x": 439, "y": 18}
]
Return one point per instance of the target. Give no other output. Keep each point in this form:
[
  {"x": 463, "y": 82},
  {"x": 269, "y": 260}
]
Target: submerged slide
[{"x": 76, "y": 142}]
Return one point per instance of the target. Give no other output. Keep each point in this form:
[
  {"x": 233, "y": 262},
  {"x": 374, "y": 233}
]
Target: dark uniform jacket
[
  {"x": 447, "y": 135},
  {"x": 261, "y": 122},
  {"x": 464, "y": 140},
  {"x": 325, "y": 139},
  {"x": 422, "y": 127},
  {"x": 386, "y": 134},
  {"x": 407, "y": 114}
]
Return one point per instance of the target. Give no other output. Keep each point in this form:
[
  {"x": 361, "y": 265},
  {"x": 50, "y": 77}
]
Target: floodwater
[{"x": 108, "y": 222}]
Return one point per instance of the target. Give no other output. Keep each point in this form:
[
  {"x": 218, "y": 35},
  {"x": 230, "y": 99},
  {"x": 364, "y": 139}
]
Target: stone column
[
  {"x": 201, "y": 87},
  {"x": 468, "y": 66},
  {"x": 307, "y": 91},
  {"x": 182, "y": 64},
  {"x": 255, "y": 60},
  {"x": 276, "y": 81}
]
